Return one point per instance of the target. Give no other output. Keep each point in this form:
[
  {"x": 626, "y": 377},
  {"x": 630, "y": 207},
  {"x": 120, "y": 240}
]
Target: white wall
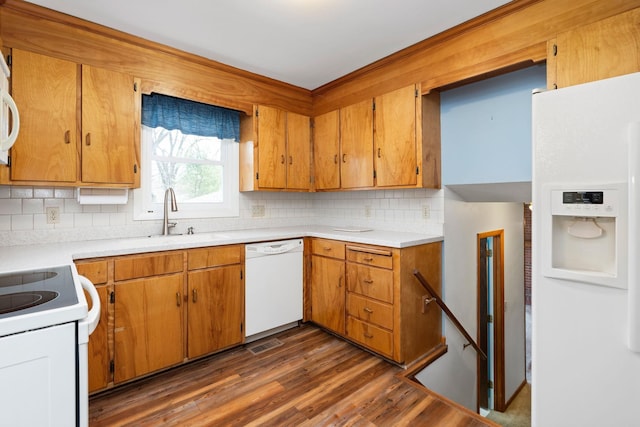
[
  {"x": 454, "y": 374},
  {"x": 23, "y": 219}
]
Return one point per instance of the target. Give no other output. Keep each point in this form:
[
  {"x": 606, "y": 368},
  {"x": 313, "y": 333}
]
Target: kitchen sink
[{"x": 192, "y": 237}]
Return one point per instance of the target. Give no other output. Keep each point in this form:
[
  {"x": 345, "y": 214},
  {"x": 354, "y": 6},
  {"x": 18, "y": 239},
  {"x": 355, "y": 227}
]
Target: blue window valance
[{"x": 190, "y": 117}]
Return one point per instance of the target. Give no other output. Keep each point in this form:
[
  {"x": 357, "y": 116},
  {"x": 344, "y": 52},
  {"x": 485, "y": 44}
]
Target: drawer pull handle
[
  {"x": 195, "y": 295},
  {"x": 344, "y": 158},
  {"x": 178, "y": 299},
  {"x": 368, "y": 281},
  {"x": 327, "y": 249},
  {"x": 368, "y": 259},
  {"x": 88, "y": 139},
  {"x": 368, "y": 310},
  {"x": 367, "y": 335},
  {"x": 335, "y": 159},
  {"x": 67, "y": 137},
  {"x": 290, "y": 160},
  {"x": 282, "y": 159}
]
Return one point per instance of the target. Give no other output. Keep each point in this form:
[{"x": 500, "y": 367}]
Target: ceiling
[{"x": 307, "y": 43}]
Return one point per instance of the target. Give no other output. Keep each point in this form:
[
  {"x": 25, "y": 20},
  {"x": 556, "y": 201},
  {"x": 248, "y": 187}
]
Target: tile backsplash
[{"x": 23, "y": 218}]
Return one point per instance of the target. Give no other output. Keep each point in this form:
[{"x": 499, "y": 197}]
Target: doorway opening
[{"x": 491, "y": 375}]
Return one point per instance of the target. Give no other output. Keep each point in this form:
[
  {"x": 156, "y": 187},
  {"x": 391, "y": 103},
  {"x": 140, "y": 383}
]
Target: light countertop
[{"x": 15, "y": 258}]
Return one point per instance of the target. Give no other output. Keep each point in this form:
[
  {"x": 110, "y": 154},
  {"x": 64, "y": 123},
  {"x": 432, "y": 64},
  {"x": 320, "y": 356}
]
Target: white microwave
[{"x": 9, "y": 117}]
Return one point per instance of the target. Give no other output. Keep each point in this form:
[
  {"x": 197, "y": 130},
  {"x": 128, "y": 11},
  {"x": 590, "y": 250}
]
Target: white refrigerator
[{"x": 585, "y": 336}]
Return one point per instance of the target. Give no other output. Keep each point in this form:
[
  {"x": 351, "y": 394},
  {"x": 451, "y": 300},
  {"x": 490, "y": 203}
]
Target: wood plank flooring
[{"x": 313, "y": 379}]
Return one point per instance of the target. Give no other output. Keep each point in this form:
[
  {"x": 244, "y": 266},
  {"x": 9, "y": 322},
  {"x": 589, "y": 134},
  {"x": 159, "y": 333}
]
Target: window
[{"x": 191, "y": 152}]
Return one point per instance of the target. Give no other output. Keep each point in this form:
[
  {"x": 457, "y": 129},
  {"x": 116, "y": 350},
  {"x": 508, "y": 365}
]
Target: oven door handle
[{"x": 93, "y": 316}]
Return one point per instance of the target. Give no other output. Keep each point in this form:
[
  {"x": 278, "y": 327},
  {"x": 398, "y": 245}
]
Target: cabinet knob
[
  {"x": 87, "y": 140},
  {"x": 67, "y": 137}
]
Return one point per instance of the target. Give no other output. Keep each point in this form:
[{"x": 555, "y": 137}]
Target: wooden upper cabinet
[
  {"x": 356, "y": 142},
  {"x": 275, "y": 150},
  {"x": 326, "y": 150},
  {"x": 79, "y": 124},
  {"x": 604, "y": 49},
  {"x": 272, "y": 149},
  {"x": 46, "y": 92},
  {"x": 395, "y": 147},
  {"x": 391, "y": 141},
  {"x": 298, "y": 151},
  {"x": 109, "y": 125}
]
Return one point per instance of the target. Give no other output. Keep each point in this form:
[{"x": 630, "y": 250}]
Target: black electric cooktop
[{"x": 36, "y": 290}]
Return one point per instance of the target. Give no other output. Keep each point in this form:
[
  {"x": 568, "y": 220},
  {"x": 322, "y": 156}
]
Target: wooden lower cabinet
[
  {"x": 328, "y": 285},
  {"x": 98, "y": 348},
  {"x": 148, "y": 326},
  {"x": 382, "y": 305},
  {"x": 161, "y": 309},
  {"x": 216, "y": 318}
]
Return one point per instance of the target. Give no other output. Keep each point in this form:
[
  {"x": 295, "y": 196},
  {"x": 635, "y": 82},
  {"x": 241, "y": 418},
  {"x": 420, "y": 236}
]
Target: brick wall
[{"x": 527, "y": 254}]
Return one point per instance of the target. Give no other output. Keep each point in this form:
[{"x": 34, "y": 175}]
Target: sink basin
[{"x": 192, "y": 237}]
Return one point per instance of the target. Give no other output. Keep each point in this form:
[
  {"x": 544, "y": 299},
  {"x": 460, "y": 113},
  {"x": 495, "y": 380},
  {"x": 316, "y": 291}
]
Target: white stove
[{"x": 44, "y": 331}]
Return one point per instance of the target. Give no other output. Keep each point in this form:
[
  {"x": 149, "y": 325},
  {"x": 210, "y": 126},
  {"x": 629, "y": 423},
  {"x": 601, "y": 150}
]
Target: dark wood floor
[{"x": 313, "y": 379}]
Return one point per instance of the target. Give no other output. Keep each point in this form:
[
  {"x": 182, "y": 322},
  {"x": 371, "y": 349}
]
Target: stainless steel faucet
[{"x": 169, "y": 195}]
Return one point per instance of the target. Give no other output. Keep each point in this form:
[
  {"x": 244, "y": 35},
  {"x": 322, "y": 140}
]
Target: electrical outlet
[
  {"x": 426, "y": 211},
  {"x": 53, "y": 215},
  {"x": 367, "y": 211},
  {"x": 257, "y": 211}
]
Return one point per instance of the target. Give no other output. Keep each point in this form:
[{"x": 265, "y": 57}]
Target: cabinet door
[
  {"x": 271, "y": 148},
  {"x": 108, "y": 126},
  {"x": 216, "y": 309},
  {"x": 326, "y": 150},
  {"x": 395, "y": 138},
  {"x": 98, "y": 347},
  {"x": 604, "y": 49},
  {"x": 328, "y": 293},
  {"x": 148, "y": 325},
  {"x": 298, "y": 151},
  {"x": 356, "y": 134},
  {"x": 46, "y": 92}
]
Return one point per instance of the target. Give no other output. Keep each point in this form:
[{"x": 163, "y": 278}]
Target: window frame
[{"x": 145, "y": 210}]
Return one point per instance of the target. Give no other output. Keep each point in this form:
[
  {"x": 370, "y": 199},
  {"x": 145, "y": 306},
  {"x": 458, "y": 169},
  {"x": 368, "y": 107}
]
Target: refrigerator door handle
[{"x": 634, "y": 242}]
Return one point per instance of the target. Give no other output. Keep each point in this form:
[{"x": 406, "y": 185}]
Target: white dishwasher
[{"x": 273, "y": 287}]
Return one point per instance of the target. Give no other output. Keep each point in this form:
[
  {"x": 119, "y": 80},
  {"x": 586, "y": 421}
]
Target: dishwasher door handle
[{"x": 276, "y": 249}]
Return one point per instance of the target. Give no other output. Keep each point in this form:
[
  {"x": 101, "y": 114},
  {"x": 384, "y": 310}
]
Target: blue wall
[{"x": 486, "y": 129}]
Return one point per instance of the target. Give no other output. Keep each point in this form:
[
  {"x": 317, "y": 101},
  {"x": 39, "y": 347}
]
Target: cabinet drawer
[
  {"x": 96, "y": 271},
  {"x": 370, "y": 256},
  {"x": 134, "y": 267},
  {"x": 370, "y": 281},
  {"x": 377, "y": 339},
  {"x": 214, "y": 256},
  {"x": 330, "y": 248},
  {"x": 371, "y": 311}
]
